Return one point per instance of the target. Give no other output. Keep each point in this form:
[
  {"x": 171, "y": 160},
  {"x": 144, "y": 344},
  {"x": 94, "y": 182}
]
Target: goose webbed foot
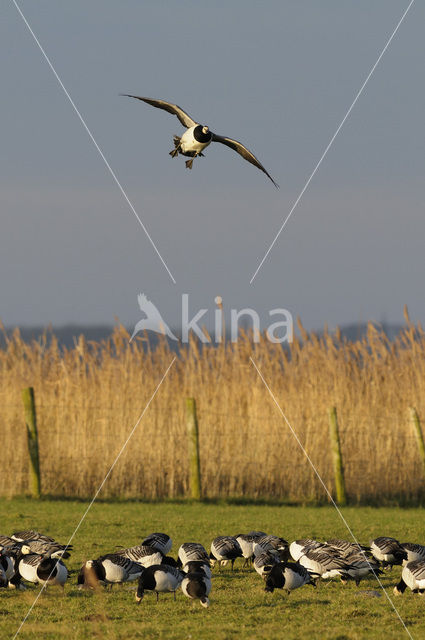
[{"x": 189, "y": 163}]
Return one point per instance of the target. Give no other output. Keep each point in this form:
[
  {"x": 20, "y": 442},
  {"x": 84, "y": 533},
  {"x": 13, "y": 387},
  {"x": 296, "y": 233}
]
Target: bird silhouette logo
[{"x": 153, "y": 320}]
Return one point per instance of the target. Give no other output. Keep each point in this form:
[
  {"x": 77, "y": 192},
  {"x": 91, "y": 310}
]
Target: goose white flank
[{"x": 197, "y": 136}]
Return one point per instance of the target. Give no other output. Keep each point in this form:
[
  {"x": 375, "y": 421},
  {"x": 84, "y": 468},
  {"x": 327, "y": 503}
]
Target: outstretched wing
[
  {"x": 184, "y": 117},
  {"x": 244, "y": 152}
]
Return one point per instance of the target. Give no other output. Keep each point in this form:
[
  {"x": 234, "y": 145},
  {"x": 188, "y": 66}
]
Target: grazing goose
[
  {"x": 109, "y": 569},
  {"x": 42, "y": 544},
  {"x": 49, "y": 549},
  {"x": 197, "y": 137},
  {"x": 265, "y": 561},
  {"x": 288, "y": 576},
  {"x": 345, "y": 547},
  {"x": 29, "y": 534},
  {"x": 41, "y": 570},
  {"x": 159, "y": 578},
  {"x": 142, "y": 554},
  {"x": 246, "y": 542},
  {"x": 268, "y": 543},
  {"x": 388, "y": 551},
  {"x": 414, "y": 551},
  {"x": 197, "y": 585},
  {"x": 7, "y": 566},
  {"x": 197, "y": 566},
  {"x": 192, "y": 552},
  {"x": 3, "y": 580},
  {"x": 14, "y": 555},
  {"x": 5, "y": 541},
  {"x": 412, "y": 576},
  {"x": 360, "y": 567},
  {"x": 225, "y": 549},
  {"x": 299, "y": 547},
  {"x": 159, "y": 541},
  {"x": 324, "y": 562}
]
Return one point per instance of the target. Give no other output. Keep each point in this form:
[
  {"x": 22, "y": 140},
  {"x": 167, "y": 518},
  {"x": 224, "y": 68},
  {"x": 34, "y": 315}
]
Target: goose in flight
[{"x": 197, "y": 136}]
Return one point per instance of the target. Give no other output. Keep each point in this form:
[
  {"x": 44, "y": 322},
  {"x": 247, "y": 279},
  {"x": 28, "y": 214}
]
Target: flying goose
[{"x": 197, "y": 136}]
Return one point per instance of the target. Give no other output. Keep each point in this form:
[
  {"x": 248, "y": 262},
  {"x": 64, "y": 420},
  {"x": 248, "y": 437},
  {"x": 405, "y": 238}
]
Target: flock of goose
[{"x": 34, "y": 557}]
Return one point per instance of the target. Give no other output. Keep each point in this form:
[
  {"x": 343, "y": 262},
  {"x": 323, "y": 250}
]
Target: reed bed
[{"x": 89, "y": 398}]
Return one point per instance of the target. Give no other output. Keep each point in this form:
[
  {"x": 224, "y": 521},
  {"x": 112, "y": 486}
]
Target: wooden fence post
[
  {"x": 194, "y": 465},
  {"x": 32, "y": 437},
  {"x": 341, "y": 497},
  {"x": 416, "y": 424}
]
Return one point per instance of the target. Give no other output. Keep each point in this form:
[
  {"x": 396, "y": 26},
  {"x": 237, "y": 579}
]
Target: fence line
[{"x": 182, "y": 474}]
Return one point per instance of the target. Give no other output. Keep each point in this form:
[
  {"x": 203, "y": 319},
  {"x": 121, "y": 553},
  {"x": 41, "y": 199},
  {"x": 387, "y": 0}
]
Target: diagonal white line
[
  {"x": 108, "y": 166},
  {"x": 327, "y": 491},
  {"x": 99, "y": 489},
  {"x": 360, "y": 91}
]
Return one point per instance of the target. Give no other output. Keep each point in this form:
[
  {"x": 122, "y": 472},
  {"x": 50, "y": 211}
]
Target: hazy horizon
[{"x": 280, "y": 77}]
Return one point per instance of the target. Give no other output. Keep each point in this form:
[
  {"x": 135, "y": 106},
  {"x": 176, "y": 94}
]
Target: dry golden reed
[{"x": 88, "y": 399}]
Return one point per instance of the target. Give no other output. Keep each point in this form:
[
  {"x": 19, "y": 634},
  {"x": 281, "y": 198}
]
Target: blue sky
[{"x": 278, "y": 76}]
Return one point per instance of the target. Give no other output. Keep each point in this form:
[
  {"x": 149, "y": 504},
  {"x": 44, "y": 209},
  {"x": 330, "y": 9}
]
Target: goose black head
[{"x": 202, "y": 133}]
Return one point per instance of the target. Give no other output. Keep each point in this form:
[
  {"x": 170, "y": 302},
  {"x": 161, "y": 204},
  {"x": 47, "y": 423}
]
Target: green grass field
[{"x": 240, "y": 608}]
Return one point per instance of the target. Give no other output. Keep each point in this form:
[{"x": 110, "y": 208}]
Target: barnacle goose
[
  {"x": 109, "y": 569},
  {"x": 324, "y": 562},
  {"x": 3, "y": 580},
  {"x": 5, "y": 541},
  {"x": 388, "y": 551},
  {"x": 30, "y": 534},
  {"x": 412, "y": 576},
  {"x": 197, "y": 137},
  {"x": 225, "y": 549},
  {"x": 264, "y": 561},
  {"x": 192, "y": 551},
  {"x": 159, "y": 578},
  {"x": 414, "y": 551},
  {"x": 268, "y": 543},
  {"x": 360, "y": 567},
  {"x": 41, "y": 570},
  {"x": 7, "y": 563},
  {"x": 196, "y": 566},
  {"x": 49, "y": 549},
  {"x": 246, "y": 542},
  {"x": 288, "y": 576},
  {"x": 144, "y": 555},
  {"x": 297, "y": 548},
  {"x": 345, "y": 547},
  {"x": 159, "y": 541},
  {"x": 197, "y": 585},
  {"x": 41, "y": 544}
]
